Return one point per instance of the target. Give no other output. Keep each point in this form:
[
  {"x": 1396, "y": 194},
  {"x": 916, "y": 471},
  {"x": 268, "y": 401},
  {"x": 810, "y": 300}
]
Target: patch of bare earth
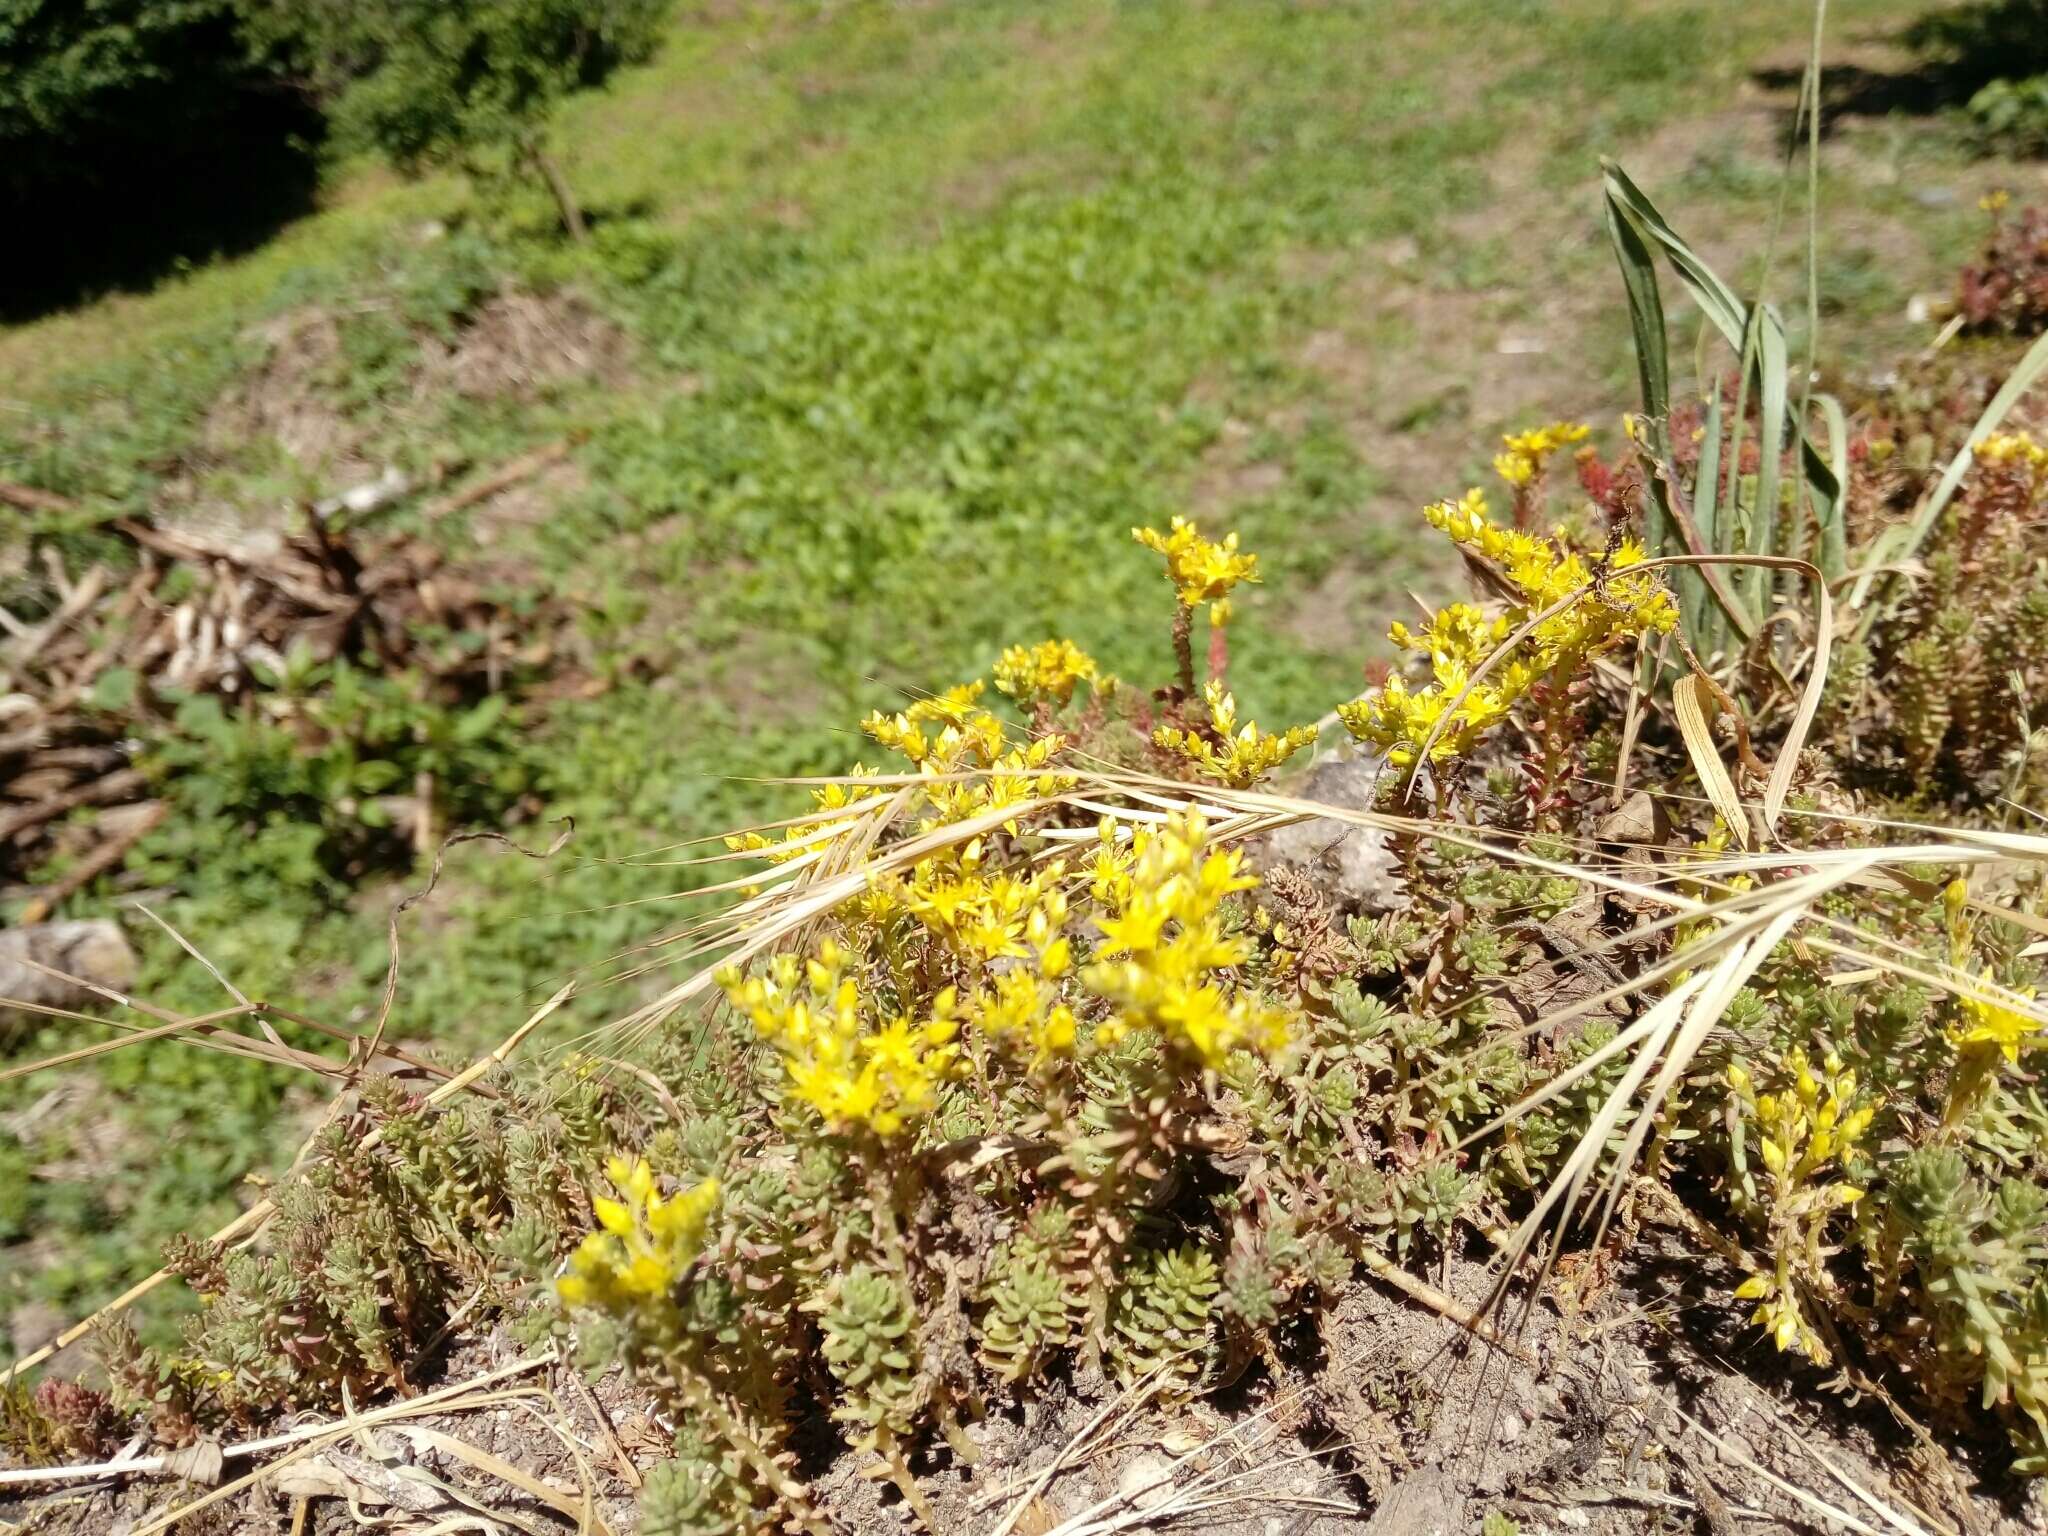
[
  {"x": 1421, "y": 377},
  {"x": 1632, "y": 1400},
  {"x": 517, "y": 345},
  {"x": 285, "y": 400}
]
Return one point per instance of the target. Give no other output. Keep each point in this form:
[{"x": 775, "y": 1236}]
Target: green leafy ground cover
[{"x": 916, "y": 308}]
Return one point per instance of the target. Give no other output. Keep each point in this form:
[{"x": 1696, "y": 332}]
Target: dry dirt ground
[{"x": 1633, "y": 1399}]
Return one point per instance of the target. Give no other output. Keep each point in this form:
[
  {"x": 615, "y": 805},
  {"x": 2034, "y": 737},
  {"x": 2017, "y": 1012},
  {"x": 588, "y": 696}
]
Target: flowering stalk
[
  {"x": 1202, "y": 571},
  {"x": 1184, "y": 650}
]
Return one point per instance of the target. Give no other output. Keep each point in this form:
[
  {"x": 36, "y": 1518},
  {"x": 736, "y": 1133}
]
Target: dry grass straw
[
  {"x": 1682, "y": 998},
  {"x": 207, "y": 1030},
  {"x": 251, "y": 1221},
  {"x": 442, "y": 1399}
]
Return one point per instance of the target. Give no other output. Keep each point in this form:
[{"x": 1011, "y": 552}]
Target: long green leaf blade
[{"x": 1907, "y": 545}]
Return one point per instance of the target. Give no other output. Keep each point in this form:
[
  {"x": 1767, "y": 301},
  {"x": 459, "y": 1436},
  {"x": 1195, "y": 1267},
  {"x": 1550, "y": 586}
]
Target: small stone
[
  {"x": 1639, "y": 820},
  {"x": 1349, "y": 863},
  {"x": 92, "y": 950},
  {"x": 1147, "y": 1481}
]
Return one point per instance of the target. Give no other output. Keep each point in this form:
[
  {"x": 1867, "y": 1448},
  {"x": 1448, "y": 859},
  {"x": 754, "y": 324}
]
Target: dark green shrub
[{"x": 81, "y": 83}]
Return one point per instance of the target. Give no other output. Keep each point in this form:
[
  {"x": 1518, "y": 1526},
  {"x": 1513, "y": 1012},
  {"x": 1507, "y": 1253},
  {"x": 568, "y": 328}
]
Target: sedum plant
[
  {"x": 1533, "y": 654},
  {"x": 1940, "y": 704},
  {"x": 991, "y": 1095}
]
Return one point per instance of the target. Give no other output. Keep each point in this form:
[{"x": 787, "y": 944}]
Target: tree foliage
[
  {"x": 466, "y": 82},
  {"x": 95, "y": 86},
  {"x": 84, "y": 82}
]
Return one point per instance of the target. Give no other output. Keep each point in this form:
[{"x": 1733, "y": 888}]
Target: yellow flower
[
  {"x": 1997, "y": 1024},
  {"x": 646, "y": 1244},
  {"x": 1460, "y": 637},
  {"x": 2018, "y": 453},
  {"x": 854, "y": 1070},
  {"x": 1246, "y": 755},
  {"x": 1995, "y": 201},
  {"x": 1527, "y": 452},
  {"x": 1201, "y": 570},
  {"x": 1047, "y": 671},
  {"x": 1166, "y": 955}
]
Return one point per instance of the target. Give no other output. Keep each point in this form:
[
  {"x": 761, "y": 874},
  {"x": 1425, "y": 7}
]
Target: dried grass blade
[
  {"x": 1695, "y": 705},
  {"x": 1780, "y": 781}
]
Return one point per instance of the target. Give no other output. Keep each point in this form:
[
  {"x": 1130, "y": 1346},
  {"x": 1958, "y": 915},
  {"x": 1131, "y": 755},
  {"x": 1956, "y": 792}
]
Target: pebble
[{"x": 1147, "y": 1482}]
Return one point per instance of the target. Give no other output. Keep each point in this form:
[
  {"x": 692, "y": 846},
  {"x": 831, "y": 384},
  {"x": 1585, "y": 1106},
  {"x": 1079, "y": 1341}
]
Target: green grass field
[{"x": 906, "y": 313}]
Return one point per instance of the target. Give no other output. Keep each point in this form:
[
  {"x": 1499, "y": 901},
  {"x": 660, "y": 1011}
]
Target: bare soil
[{"x": 1631, "y": 1398}]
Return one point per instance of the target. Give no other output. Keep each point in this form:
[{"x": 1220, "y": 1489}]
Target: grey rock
[
  {"x": 93, "y": 950},
  {"x": 1352, "y": 864}
]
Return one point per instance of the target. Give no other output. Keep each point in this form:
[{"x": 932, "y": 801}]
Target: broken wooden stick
[
  {"x": 519, "y": 469},
  {"x": 103, "y": 858},
  {"x": 113, "y": 786}
]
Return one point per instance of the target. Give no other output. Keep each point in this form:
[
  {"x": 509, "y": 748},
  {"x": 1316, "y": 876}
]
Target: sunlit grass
[{"x": 936, "y": 303}]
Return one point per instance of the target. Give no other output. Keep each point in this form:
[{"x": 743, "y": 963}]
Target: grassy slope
[{"x": 931, "y": 305}]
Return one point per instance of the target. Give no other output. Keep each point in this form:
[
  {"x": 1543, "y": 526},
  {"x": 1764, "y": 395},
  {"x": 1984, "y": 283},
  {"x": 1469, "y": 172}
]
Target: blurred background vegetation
[{"x": 870, "y": 330}]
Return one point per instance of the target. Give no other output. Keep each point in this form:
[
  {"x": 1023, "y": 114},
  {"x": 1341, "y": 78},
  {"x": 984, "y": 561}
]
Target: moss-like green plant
[
  {"x": 1031, "y": 1313},
  {"x": 1164, "y": 1318}
]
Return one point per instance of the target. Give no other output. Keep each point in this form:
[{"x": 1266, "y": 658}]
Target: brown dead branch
[
  {"x": 96, "y": 863},
  {"x": 522, "y": 468},
  {"x": 322, "y": 589}
]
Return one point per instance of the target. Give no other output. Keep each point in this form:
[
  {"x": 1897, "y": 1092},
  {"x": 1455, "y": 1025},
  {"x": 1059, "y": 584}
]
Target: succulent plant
[{"x": 1164, "y": 1317}]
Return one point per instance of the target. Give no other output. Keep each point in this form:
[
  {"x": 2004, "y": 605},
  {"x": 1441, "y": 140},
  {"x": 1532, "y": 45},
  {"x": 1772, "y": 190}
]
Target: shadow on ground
[
  {"x": 1958, "y": 50},
  {"x": 134, "y": 213}
]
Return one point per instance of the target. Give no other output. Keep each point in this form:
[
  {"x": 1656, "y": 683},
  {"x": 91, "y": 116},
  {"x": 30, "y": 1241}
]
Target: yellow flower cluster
[
  {"x": 1045, "y": 672},
  {"x": 968, "y": 761},
  {"x": 1527, "y": 452},
  {"x": 646, "y": 1245},
  {"x": 1201, "y": 570},
  {"x": 1802, "y": 1133},
  {"x": 982, "y": 916},
  {"x": 1165, "y": 950},
  {"x": 1778, "y": 1314},
  {"x": 1022, "y": 1006},
  {"x": 1990, "y": 1023},
  {"x": 1817, "y": 1123},
  {"x": 1459, "y": 629},
  {"x": 1246, "y": 755},
  {"x": 1460, "y": 637},
  {"x": 2018, "y": 452},
  {"x": 853, "y": 1071}
]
